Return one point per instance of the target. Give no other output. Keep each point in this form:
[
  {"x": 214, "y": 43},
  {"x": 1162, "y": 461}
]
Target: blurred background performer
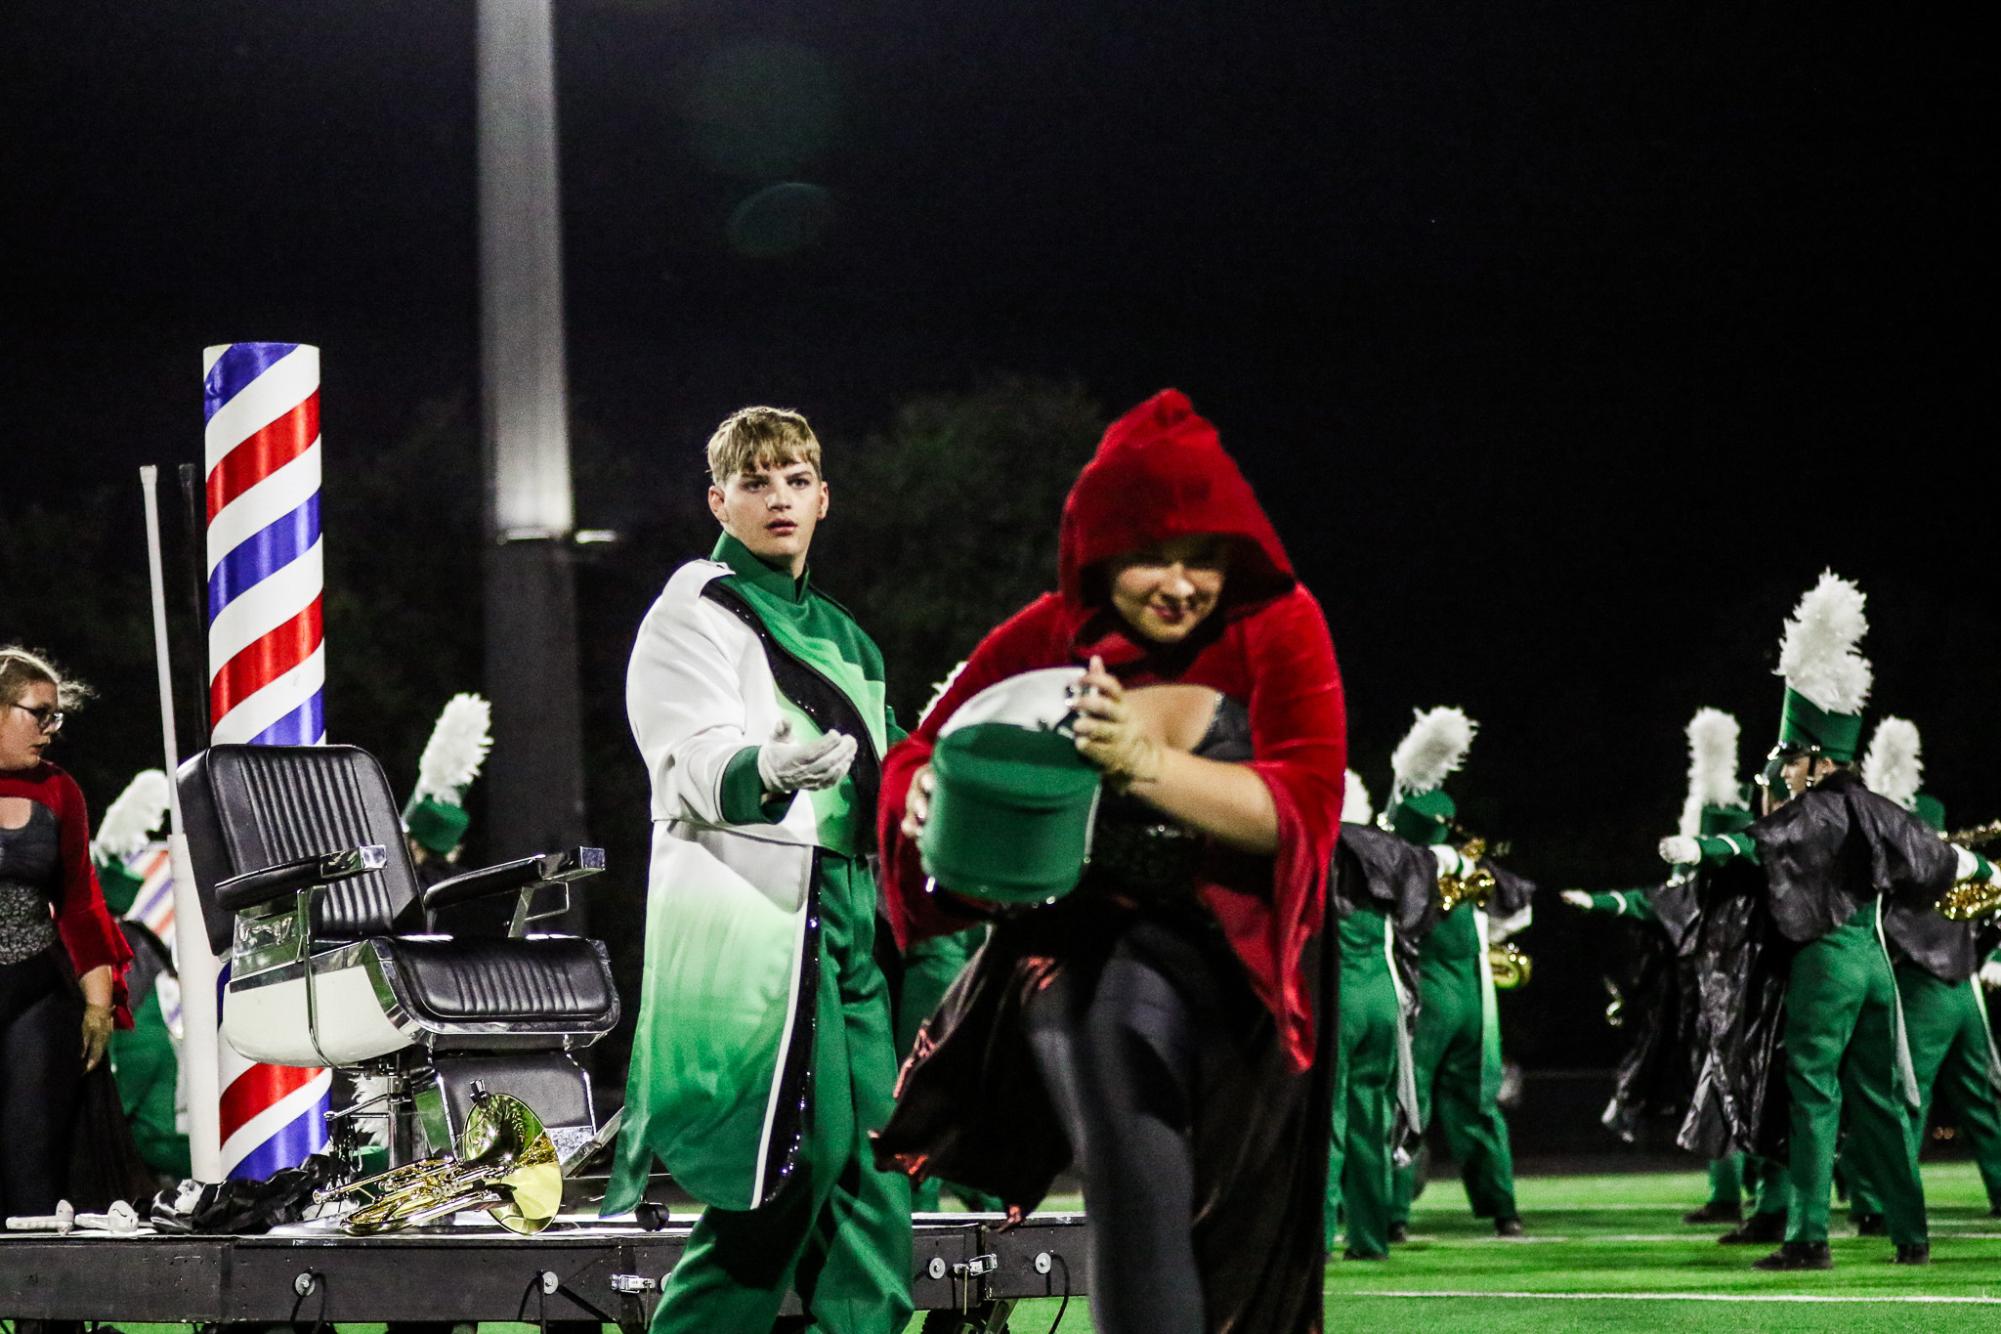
[
  {"x": 1945, "y": 1014},
  {"x": 1457, "y": 1046},
  {"x": 62, "y": 958},
  {"x": 1655, "y": 1078},
  {"x": 137, "y": 876},
  {"x": 1173, "y": 1006},
  {"x": 435, "y": 818},
  {"x": 1384, "y": 895}
]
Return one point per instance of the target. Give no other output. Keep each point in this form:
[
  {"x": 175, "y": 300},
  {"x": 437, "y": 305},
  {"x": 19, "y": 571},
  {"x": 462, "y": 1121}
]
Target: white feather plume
[
  {"x": 1712, "y": 766},
  {"x": 129, "y": 822},
  {"x": 1817, "y": 656},
  {"x": 1435, "y": 746},
  {"x": 1895, "y": 766},
  {"x": 1356, "y": 808},
  {"x": 457, "y": 748}
]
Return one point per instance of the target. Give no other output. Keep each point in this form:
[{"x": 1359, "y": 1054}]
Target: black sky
[{"x": 1566, "y": 343}]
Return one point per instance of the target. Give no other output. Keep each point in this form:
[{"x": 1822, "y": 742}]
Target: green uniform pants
[
  {"x": 1842, "y": 1046},
  {"x": 839, "y": 1233},
  {"x": 929, "y": 969},
  {"x": 1952, "y": 1056},
  {"x": 147, "y": 1068},
  {"x": 1455, "y": 1089},
  {"x": 1771, "y": 1185},
  {"x": 1726, "y": 1179},
  {"x": 1359, "y": 1174}
]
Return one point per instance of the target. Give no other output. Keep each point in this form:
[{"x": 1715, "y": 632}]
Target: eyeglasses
[{"x": 48, "y": 719}]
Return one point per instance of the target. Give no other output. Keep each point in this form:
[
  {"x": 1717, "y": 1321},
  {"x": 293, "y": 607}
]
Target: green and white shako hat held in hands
[
  {"x": 435, "y": 815},
  {"x": 1419, "y": 810},
  {"x": 1012, "y": 801}
]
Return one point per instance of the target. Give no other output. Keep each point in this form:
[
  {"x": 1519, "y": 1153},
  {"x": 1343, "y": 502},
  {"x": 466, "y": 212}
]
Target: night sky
[{"x": 1565, "y": 343}]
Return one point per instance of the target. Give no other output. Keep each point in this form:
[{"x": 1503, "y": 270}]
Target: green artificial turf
[{"x": 1611, "y": 1253}]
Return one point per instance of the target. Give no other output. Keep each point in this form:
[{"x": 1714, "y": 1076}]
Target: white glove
[
  {"x": 1969, "y": 864},
  {"x": 1990, "y": 975},
  {"x": 1576, "y": 898},
  {"x": 786, "y": 765},
  {"x": 1449, "y": 860},
  {"x": 1680, "y": 850}
]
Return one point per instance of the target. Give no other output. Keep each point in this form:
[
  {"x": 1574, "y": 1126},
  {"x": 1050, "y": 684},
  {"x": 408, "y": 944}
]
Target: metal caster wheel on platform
[{"x": 985, "y": 1318}]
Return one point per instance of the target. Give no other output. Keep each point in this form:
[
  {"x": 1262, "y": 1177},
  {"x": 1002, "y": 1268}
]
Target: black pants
[
  {"x": 41, "y": 1074},
  {"x": 1118, "y": 1054}
]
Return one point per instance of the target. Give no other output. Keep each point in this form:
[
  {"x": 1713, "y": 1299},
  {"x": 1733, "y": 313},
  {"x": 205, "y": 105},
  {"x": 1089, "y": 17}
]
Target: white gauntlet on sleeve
[
  {"x": 1680, "y": 850},
  {"x": 786, "y": 765}
]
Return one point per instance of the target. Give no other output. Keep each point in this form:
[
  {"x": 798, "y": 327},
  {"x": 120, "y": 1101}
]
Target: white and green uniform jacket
[{"x": 717, "y": 1088}]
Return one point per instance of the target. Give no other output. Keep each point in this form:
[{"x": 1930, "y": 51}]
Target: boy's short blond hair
[{"x": 761, "y": 438}]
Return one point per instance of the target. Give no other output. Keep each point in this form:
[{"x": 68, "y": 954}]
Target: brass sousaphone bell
[{"x": 505, "y": 1163}]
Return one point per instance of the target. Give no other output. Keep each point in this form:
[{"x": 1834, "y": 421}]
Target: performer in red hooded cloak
[{"x": 1166, "y": 1027}]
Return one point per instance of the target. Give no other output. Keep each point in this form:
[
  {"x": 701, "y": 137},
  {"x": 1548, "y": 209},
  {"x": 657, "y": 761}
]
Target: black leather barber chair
[{"x": 308, "y": 890}]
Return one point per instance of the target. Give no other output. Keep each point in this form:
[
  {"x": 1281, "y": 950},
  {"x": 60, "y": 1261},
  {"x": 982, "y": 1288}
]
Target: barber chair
[{"x": 308, "y": 890}]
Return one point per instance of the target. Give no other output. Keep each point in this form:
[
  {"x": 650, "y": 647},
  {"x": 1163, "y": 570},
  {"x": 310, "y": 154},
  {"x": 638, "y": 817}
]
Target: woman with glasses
[{"x": 56, "y": 939}]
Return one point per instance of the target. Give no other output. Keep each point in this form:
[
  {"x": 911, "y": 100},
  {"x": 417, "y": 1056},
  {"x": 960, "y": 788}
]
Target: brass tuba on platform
[{"x": 505, "y": 1163}]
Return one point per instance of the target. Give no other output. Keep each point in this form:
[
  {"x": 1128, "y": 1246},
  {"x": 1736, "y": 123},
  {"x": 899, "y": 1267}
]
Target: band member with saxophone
[
  {"x": 1655, "y": 1077},
  {"x": 1945, "y": 1015},
  {"x": 1384, "y": 893},
  {"x": 1834, "y": 856},
  {"x": 763, "y": 1054},
  {"x": 1457, "y": 1047}
]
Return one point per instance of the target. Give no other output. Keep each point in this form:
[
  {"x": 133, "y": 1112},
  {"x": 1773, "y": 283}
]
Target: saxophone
[
  {"x": 1973, "y": 898},
  {"x": 1474, "y": 887}
]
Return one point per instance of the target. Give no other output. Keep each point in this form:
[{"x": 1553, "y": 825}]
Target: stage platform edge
[{"x": 581, "y": 1268}]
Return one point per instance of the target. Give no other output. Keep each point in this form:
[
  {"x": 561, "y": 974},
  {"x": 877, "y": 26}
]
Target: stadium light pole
[{"x": 534, "y": 785}]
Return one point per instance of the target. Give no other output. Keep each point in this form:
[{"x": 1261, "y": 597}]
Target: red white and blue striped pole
[{"x": 266, "y": 656}]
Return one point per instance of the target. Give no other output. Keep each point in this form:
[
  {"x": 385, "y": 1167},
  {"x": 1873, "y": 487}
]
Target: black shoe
[
  {"x": 1714, "y": 1212},
  {"x": 1399, "y": 1232},
  {"x": 1507, "y": 1227},
  {"x": 1365, "y": 1255},
  {"x": 1757, "y": 1230},
  {"x": 1917, "y": 1253},
  {"x": 1797, "y": 1255},
  {"x": 1871, "y": 1225}
]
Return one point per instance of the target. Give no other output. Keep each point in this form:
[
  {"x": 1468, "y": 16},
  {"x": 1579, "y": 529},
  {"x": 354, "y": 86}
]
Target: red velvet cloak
[{"x": 1159, "y": 473}]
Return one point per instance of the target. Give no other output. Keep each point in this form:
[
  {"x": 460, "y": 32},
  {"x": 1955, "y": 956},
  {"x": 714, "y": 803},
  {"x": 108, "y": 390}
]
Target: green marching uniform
[
  {"x": 764, "y": 1054},
  {"x": 1831, "y": 855},
  {"x": 1456, "y": 1050},
  {"x": 1945, "y": 1013},
  {"x": 1382, "y": 893},
  {"x": 145, "y": 1063}
]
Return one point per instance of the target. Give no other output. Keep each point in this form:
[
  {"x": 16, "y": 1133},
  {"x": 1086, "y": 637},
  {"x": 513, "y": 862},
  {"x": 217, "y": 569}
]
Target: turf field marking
[{"x": 1684, "y": 1297}]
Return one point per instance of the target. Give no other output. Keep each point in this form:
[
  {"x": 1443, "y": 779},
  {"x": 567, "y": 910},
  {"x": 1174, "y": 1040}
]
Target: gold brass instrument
[
  {"x": 1474, "y": 887},
  {"x": 505, "y": 1163},
  {"x": 1977, "y": 836},
  {"x": 1511, "y": 968},
  {"x": 1973, "y": 898}
]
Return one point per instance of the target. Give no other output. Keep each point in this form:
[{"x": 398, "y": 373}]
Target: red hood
[{"x": 1160, "y": 473}]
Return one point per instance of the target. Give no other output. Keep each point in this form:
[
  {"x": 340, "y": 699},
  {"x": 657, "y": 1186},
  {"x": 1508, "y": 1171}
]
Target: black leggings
[
  {"x": 1118, "y": 1054},
  {"x": 41, "y": 1073}
]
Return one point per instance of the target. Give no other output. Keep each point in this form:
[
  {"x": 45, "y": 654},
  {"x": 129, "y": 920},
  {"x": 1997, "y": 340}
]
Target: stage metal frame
[{"x": 581, "y": 1269}]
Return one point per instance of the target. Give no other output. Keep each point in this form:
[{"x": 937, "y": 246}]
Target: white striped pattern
[
  {"x": 288, "y": 382},
  {"x": 264, "y": 607},
  {"x": 277, "y": 495},
  {"x": 279, "y": 697}
]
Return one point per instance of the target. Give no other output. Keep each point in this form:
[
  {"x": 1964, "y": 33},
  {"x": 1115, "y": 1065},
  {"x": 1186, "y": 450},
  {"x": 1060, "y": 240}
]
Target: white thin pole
[{"x": 200, "y": 1022}]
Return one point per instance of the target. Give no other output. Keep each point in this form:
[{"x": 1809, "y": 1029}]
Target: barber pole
[{"x": 267, "y": 659}]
